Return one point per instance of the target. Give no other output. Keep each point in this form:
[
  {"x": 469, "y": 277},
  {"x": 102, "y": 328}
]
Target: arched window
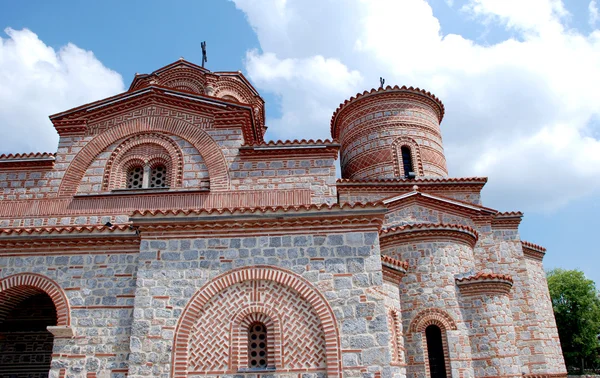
[
  {"x": 257, "y": 346},
  {"x": 407, "y": 162},
  {"x": 135, "y": 177},
  {"x": 147, "y": 176},
  {"x": 158, "y": 177},
  {"x": 435, "y": 352}
]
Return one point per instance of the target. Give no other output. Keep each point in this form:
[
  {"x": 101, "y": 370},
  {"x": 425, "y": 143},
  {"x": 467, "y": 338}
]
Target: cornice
[
  {"x": 257, "y": 221},
  {"x": 69, "y": 239},
  {"x": 507, "y": 220},
  {"x": 76, "y": 120},
  {"x": 437, "y": 105},
  {"x": 292, "y": 148},
  {"x": 395, "y": 185},
  {"x": 32, "y": 160},
  {"x": 430, "y": 232},
  {"x": 440, "y": 203},
  {"x": 533, "y": 251},
  {"x": 485, "y": 284},
  {"x": 393, "y": 269}
]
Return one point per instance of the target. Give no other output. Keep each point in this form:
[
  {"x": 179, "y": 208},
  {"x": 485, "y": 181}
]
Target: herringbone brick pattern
[{"x": 303, "y": 341}]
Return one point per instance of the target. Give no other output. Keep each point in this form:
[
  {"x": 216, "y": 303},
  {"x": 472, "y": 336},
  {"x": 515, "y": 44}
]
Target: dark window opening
[
  {"x": 25, "y": 343},
  {"x": 257, "y": 346},
  {"x": 435, "y": 352},
  {"x": 407, "y": 163}
]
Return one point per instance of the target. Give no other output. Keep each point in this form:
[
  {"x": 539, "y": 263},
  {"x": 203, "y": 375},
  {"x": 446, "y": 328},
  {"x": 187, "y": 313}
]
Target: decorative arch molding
[
  {"x": 433, "y": 316},
  {"x": 15, "y": 288},
  {"x": 415, "y": 151},
  {"x": 265, "y": 314},
  {"x": 209, "y": 150},
  {"x": 231, "y": 87},
  {"x": 121, "y": 158},
  {"x": 257, "y": 273}
]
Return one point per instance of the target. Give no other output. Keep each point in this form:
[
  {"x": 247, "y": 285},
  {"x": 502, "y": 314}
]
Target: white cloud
[
  {"x": 594, "y": 14},
  {"x": 37, "y": 81},
  {"x": 521, "y": 111}
]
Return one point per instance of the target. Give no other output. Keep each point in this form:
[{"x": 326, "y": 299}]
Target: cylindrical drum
[{"x": 390, "y": 133}]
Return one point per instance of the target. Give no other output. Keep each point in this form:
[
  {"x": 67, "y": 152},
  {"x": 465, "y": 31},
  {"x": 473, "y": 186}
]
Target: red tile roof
[{"x": 481, "y": 276}]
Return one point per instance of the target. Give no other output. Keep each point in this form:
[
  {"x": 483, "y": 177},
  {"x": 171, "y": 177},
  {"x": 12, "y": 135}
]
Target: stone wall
[
  {"x": 100, "y": 289},
  {"x": 344, "y": 268}
]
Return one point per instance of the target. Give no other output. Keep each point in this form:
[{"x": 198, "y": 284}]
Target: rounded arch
[
  {"x": 17, "y": 287},
  {"x": 209, "y": 150},
  {"x": 234, "y": 88},
  {"x": 120, "y": 158},
  {"x": 415, "y": 154},
  {"x": 433, "y": 316},
  {"x": 268, "y": 273},
  {"x": 257, "y": 312}
]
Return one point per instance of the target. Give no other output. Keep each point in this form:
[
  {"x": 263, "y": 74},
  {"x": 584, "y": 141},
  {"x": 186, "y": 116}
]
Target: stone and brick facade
[{"x": 166, "y": 238}]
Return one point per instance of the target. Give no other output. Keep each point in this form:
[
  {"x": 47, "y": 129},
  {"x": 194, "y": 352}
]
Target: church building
[{"x": 167, "y": 238}]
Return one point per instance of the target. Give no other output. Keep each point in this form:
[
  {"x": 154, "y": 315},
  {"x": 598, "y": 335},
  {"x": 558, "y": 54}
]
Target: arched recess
[
  {"x": 239, "y": 341},
  {"x": 432, "y": 316},
  {"x": 15, "y": 288},
  {"x": 232, "y": 87},
  {"x": 114, "y": 176},
  {"x": 442, "y": 320},
  {"x": 209, "y": 150},
  {"x": 257, "y": 273},
  {"x": 415, "y": 152}
]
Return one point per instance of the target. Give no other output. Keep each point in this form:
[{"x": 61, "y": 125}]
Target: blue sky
[{"x": 518, "y": 80}]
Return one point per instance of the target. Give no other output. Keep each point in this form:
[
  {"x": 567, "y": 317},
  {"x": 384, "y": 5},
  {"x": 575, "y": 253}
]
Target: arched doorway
[{"x": 25, "y": 342}]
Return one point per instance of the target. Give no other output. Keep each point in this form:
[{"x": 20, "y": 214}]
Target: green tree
[{"x": 577, "y": 311}]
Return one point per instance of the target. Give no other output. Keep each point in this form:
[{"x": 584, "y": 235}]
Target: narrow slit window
[
  {"x": 257, "y": 346},
  {"x": 435, "y": 352},
  {"x": 407, "y": 162},
  {"x": 135, "y": 178}
]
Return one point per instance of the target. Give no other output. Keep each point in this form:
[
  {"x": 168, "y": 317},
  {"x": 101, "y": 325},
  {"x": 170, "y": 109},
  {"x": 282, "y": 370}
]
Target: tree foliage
[{"x": 577, "y": 311}]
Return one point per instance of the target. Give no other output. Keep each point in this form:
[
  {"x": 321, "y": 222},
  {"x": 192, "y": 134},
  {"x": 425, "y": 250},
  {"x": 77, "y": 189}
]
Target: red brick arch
[
  {"x": 239, "y": 337},
  {"x": 257, "y": 273},
  {"x": 431, "y": 316},
  {"x": 209, "y": 150},
  {"x": 15, "y": 288}
]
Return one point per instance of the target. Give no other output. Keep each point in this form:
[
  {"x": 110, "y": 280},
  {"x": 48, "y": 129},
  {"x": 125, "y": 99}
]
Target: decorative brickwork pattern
[
  {"x": 203, "y": 343},
  {"x": 211, "y": 153},
  {"x": 17, "y": 287},
  {"x": 416, "y": 156},
  {"x": 144, "y": 149}
]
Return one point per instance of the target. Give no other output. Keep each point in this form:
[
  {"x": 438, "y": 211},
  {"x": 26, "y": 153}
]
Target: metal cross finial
[
  {"x": 204, "y": 59},
  {"x": 381, "y": 82}
]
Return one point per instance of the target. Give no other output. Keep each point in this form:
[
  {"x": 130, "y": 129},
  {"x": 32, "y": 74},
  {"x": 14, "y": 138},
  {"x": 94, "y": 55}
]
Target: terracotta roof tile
[
  {"x": 30, "y": 155},
  {"x": 429, "y": 226},
  {"x": 481, "y": 276},
  {"x": 417, "y": 180},
  {"x": 62, "y": 230},
  {"x": 509, "y": 214},
  {"x": 295, "y": 142},
  {"x": 535, "y": 247},
  {"x": 259, "y": 210},
  {"x": 394, "y": 262}
]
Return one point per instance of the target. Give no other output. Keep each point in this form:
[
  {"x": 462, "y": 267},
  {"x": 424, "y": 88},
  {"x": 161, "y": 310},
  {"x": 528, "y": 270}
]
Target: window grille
[
  {"x": 135, "y": 178},
  {"x": 257, "y": 346},
  {"x": 158, "y": 177}
]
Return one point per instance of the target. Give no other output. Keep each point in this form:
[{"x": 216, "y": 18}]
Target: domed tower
[{"x": 391, "y": 132}]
